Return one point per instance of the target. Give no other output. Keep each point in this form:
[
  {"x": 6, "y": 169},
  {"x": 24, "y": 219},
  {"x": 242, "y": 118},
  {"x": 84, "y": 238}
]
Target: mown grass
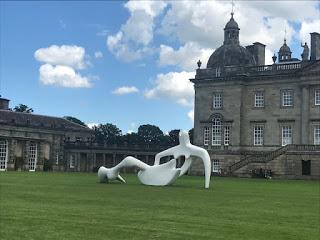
[{"x": 76, "y": 206}]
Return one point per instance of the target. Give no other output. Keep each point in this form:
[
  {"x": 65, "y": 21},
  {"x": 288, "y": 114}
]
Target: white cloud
[
  {"x": 175, "y": 86},
  {"x": 132, "y": 41},
  {"x": 308, "y": 27},
  {"x": 62, "y": 76},
  {"x": 185, "y": 57},
  {"x": 103, "y": 33},
  {"x": 72, "y": 56},
  {"x": 61, "y": 64},
  {"x": 91, "y": 125},
  {"x": 152, "y": 8},
  {"x": 98, "y": 54},
  {"x": 191, "y": 115},
  {"x": 125, "y": 90}
]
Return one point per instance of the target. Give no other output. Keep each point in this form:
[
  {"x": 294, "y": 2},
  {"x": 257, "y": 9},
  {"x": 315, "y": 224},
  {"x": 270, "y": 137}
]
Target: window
[
  {"x": 217, "y": 100},
  {"x": 316, "y": 135},
  {"x": 287, "y": 98},
  {"x": 259, "y": 99},
  {"x": 206, "y": 136},
  {"x": 32, "y": 156},
  {"x": 3, "y": 154},
  {"x": 226, "y": 135},
  {"x": 258, "y": 135},
  {"x": 317, "y": 97},
  {"x": 72, "y": 162},
  {"x": 57, "y": 158},
  {"x": 218, "y": 72},
  {"x": 286, "y": 135},
  {"x": 216, "y": 166},
  {"x": 216, "y": 131}
]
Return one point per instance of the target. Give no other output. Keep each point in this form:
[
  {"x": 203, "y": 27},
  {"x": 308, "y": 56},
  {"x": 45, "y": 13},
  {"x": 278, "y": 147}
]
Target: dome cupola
[
  {"x": 284, "y": 53},
  {"x": 231, "y": 53},
  {"x": 231, "y": 32}
]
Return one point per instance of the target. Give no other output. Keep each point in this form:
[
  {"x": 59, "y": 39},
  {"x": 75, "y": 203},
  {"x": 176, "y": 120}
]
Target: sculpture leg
[{"x": 107, "y": 174}]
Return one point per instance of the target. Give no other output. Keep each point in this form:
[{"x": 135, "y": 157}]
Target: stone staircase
[{"x": 269, "y": 156}]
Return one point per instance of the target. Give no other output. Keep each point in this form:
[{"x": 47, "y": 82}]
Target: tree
[
  {"x": 107, "y": 133},
  {"x": 23, "y": 108},
  {"x": 150, "y": 134},
  {"x": 74, "y": 120},
  {"x": 174, "y": 137},
  {"x": 132, "y": 139}
]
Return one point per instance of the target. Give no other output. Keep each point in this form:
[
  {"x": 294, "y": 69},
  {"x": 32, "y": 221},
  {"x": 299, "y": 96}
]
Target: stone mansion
[{"x": 255, "y": 117}]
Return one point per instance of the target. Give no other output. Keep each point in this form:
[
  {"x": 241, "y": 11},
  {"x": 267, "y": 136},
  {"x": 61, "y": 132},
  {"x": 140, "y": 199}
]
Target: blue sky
[{"x": 128, "y": 63}]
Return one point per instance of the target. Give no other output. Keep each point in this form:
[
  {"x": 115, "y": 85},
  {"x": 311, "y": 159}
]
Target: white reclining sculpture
[{"x": 162, "y": 174}]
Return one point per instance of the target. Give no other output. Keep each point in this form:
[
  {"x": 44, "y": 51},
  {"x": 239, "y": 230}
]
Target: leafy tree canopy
[
  {"x": 107, "y": 133},
  {"x": 22, "y": 108},
  {"x": 150, "y": 134}
]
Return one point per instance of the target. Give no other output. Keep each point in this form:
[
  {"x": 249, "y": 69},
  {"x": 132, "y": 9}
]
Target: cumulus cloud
[
  {"x": 191, "y": 115},
  {"x": 132, "y": 41},
  {"x": 308, "y": 27},
  {"x": 198, "y": 25},
  {"x": 173, "y": 85},
  {"x": 125, "y": 90},
  {"x": 72, "y": 56},
  {"x": 63, "y": 76},
  {"x": 185, "y": 57},
  {"x": 98, "y": 54},
  {"x": 60, "y": 66}
]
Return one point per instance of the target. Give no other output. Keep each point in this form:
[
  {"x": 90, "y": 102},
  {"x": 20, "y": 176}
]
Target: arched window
[{"x": 216, "y": 131}]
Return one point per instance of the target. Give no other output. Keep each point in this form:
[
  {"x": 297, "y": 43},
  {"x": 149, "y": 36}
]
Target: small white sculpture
[{"x": 162, "y": 174}]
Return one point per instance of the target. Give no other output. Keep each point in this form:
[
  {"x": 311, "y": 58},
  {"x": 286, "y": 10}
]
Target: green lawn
[{"x": 76, "y": 206}]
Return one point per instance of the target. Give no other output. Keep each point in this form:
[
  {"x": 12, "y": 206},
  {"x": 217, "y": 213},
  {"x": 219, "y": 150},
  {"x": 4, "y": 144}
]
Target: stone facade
[
  {"x": 35, "y": 142},
  {"x": 248, "y": 114},
  {"x": 30, "y": 142}
]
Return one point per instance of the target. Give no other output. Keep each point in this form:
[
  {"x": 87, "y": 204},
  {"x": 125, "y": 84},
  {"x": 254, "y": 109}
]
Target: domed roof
[
  {"x": 285, "y": 47},
  {"x": 230, "y": 55},
  {"x": 232, "y": 24}
]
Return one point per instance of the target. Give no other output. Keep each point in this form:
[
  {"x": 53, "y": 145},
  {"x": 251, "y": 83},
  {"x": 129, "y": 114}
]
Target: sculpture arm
[
  {"x": 168, "y": 152},
  {"x": 204, "y": 156}
]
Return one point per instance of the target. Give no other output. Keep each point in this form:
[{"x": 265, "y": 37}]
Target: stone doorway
[{"x": 306, "y": 167}]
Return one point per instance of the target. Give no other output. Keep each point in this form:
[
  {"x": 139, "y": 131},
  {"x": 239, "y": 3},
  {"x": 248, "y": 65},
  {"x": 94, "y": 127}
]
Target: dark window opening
[{"x": 306, "y": 167}]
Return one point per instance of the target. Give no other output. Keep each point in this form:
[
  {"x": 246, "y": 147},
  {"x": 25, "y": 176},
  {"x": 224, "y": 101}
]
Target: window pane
[
  {"x": 32, "y": 156},
  {"x": 216, "y": 166},
  {"x": 317, "y": 97},
  {"x": 258, "y": 135},
  {"x": 3, "y": 154},
  {"x": 316, "y": 134},
  {"x": 259, "y": 99},
  {"x": 226, "y": 135},
  {"x": 206, "y": 136},
  {"x": 287, "y": 98},
  {"x": 286, "y": 135},
  {"x": 217, "y": 100},
  {"x": 216, "y": 132}
]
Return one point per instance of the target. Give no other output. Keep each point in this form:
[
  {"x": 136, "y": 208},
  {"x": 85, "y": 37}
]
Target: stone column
[
  {"x": 11, "y": 154},
  {"x": 304, "y": 129},
  {"x": 26, "y": 155}
]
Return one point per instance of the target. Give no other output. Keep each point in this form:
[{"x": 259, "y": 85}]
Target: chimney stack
[
  {"x": 315, "y": 46},
  {"x": 258, "y": 51},
  {"x": 4, "y": 103}
]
